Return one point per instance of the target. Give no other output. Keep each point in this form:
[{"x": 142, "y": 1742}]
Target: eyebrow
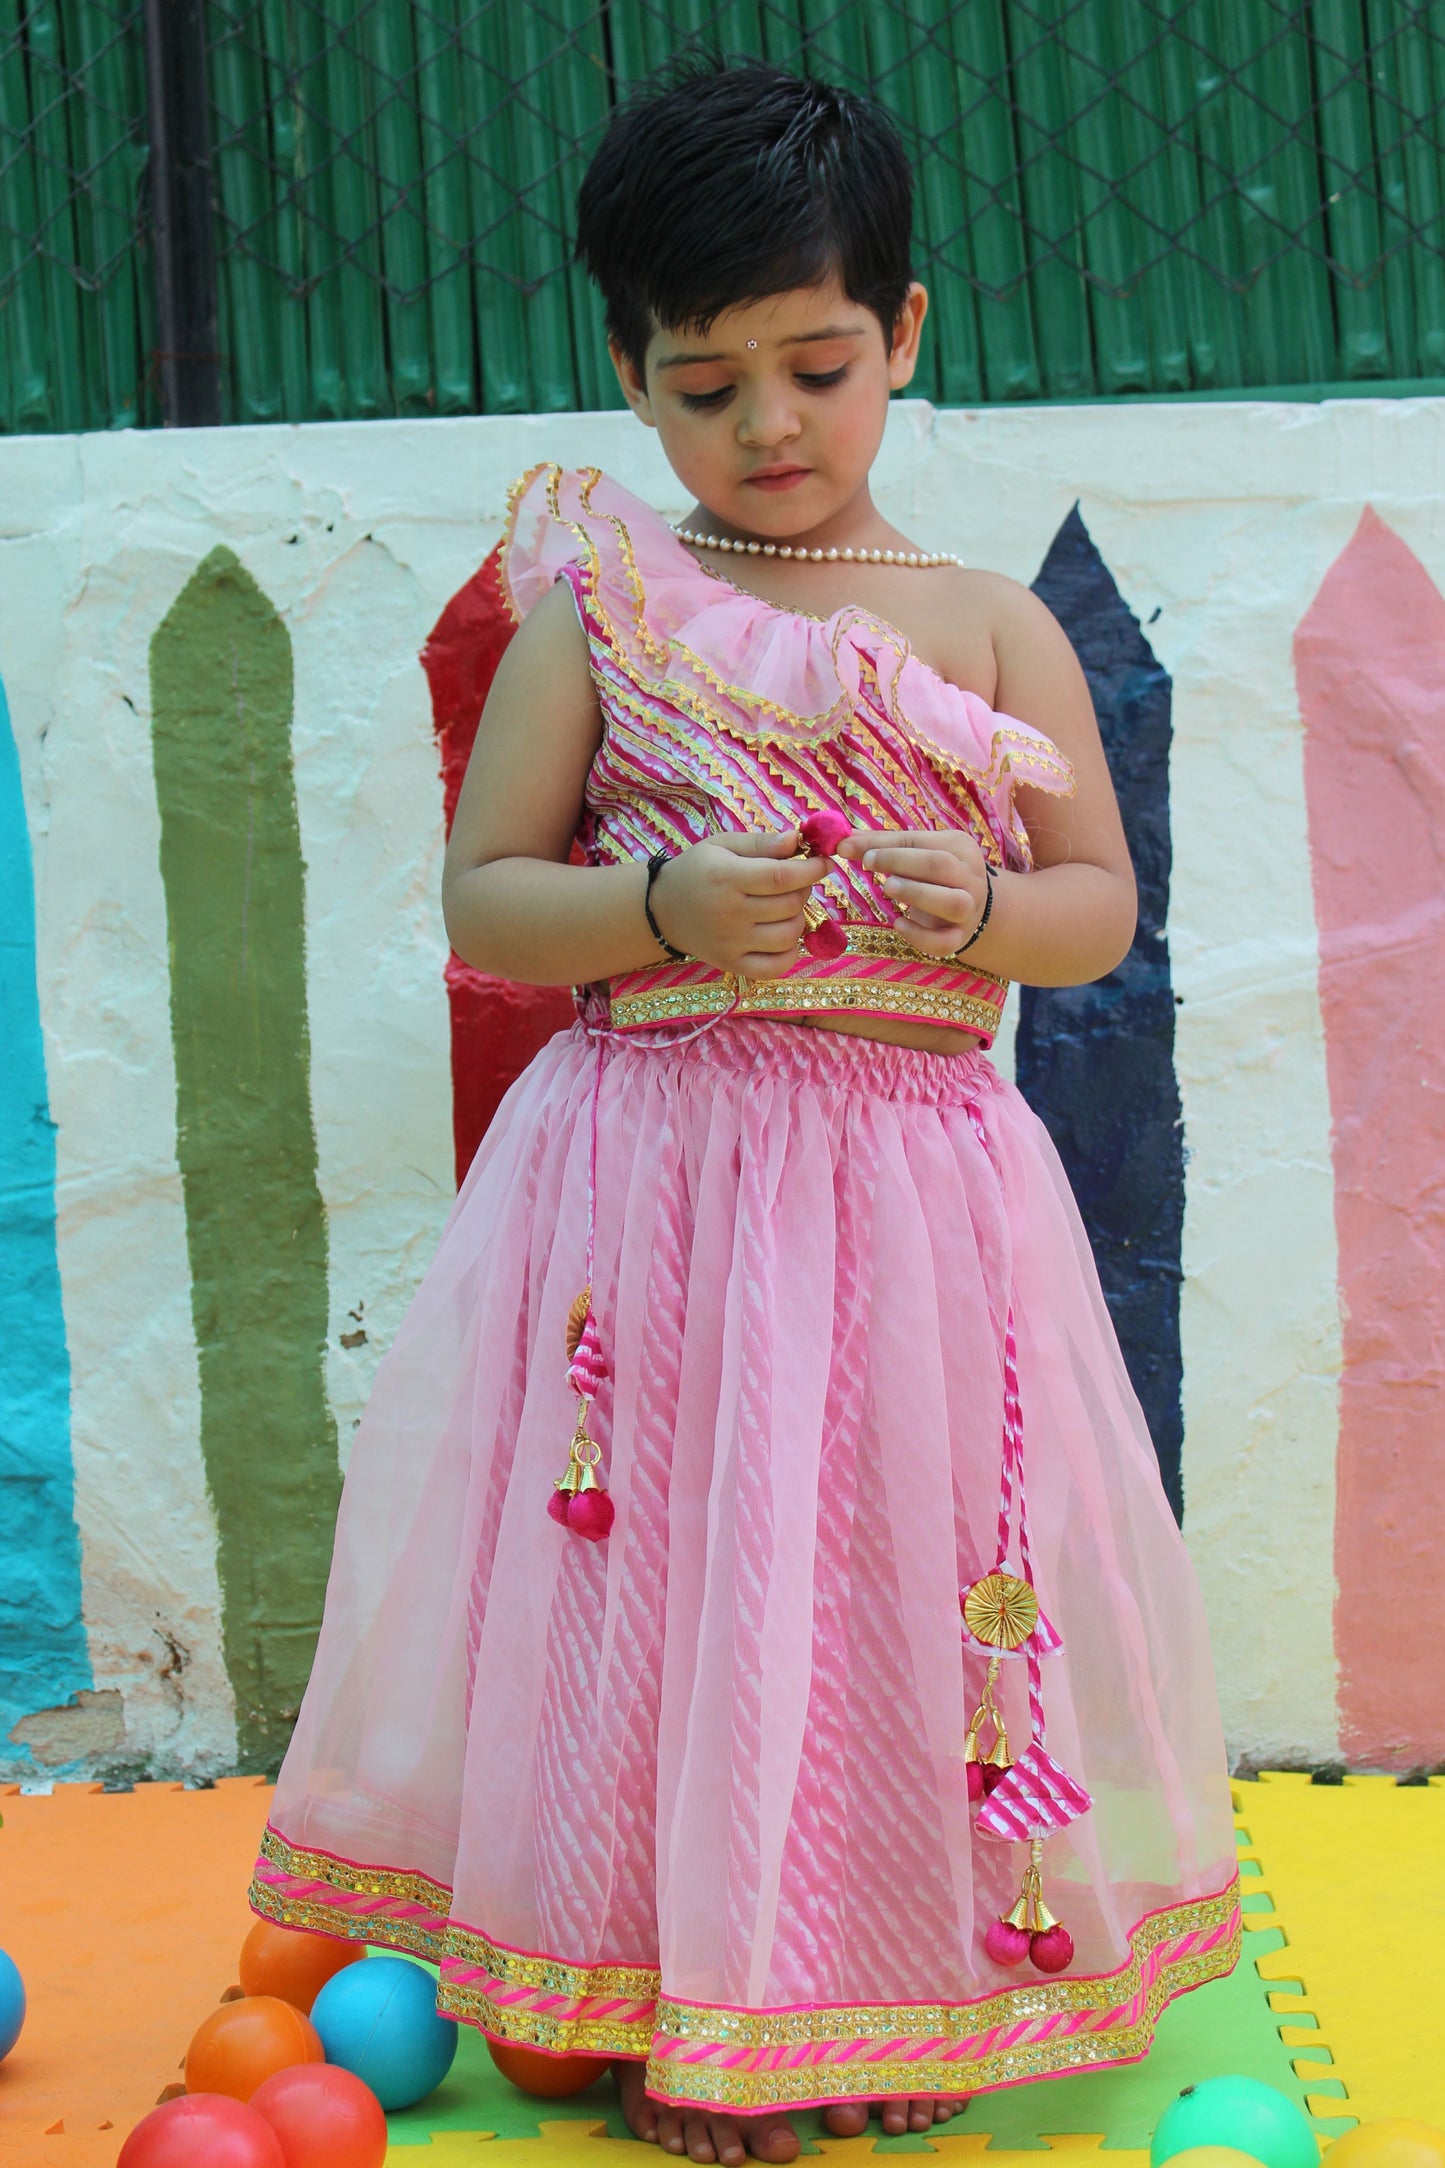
[{"x": 804, "y": 338}]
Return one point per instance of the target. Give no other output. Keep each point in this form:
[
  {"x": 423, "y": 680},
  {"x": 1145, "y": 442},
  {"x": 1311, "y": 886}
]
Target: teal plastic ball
[
  {"x": 1241, "y": 2113},
  {"x": 380, "y": 2021},
  {"x": 12, "y": 2004}
]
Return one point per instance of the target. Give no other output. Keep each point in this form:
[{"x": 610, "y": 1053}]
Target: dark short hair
[{"x": 732, "y": 183}]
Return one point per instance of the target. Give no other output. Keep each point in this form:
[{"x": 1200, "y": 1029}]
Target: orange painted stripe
[{"x": 1370, "y": 670}]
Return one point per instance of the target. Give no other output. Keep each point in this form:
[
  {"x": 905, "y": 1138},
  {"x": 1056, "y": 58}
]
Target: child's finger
[
  {"x": 773, "y": 910},
  {"x": 957, "y": 906},
  {"x": 945, "y": 942},
  {"x": 872, "y": 839},
  {"x": 758, "y": 844},
  {"x": 758, "y": 965},
  {"x": 783, "y": 877},
  {"x": 918, "y": 863}
]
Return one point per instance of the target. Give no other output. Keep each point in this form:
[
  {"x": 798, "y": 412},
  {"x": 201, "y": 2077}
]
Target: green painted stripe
[{"x": 256, "y": 1230}]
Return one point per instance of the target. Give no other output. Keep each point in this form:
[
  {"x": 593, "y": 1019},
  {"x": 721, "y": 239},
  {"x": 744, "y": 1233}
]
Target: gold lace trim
[
  {"x": 970, "y": 1007},
  {"x": 842, "y": 2032},
  {"x": 811, "y": 997}
]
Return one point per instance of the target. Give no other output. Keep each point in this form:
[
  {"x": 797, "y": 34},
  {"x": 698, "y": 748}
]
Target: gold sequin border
[
  {"x": 823, "y": 2078},
  {"x": 448, "y": 1941},
  {"x": 501, "y": 2006},
  {"x": 789, "y": 997}
]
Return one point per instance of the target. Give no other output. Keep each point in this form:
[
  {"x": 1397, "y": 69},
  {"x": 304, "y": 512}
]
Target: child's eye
[
  {"x": 822, "y": 383},
  {"x": 698, "y": 401}
]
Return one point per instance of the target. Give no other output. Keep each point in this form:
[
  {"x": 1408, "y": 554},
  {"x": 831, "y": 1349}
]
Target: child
[{"x": 676, "y": 1746}]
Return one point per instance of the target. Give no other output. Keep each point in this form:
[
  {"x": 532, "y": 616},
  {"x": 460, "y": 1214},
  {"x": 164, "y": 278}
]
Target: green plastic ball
[{"x": 1242, "y": 2114}]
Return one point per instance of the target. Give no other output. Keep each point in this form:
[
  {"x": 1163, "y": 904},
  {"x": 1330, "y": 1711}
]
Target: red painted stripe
[
  {"x": 1370, "y": 668},
  {"x": 497, "y": 1026}
]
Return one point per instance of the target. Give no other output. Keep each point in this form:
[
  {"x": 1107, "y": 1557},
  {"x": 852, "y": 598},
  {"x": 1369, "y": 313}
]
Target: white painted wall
[{"x": 1223, "y": 518}]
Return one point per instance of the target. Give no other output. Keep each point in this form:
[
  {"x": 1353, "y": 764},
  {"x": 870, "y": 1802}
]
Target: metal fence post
[{"x": 182, "y": 213}]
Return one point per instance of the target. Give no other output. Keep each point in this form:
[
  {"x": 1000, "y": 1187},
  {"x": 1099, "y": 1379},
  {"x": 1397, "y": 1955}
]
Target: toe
[
  {"x": 846, "y": 2118},
  {"x": 945, "y": 2109},
  {"x": 641, "y": 2113},
  {"x": 895, "y": 2117},
  {"x": 776, "y": 2141},
  {"x": 699, "y": 2138},
  {"x": 669, "y": 2132}
]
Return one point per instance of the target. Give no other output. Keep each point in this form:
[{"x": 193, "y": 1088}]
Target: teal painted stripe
[{"x": 44, "y": 1660}]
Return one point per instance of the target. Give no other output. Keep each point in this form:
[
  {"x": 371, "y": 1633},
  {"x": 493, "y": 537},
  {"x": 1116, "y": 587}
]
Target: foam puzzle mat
[{"x": 125, "y": 1912}]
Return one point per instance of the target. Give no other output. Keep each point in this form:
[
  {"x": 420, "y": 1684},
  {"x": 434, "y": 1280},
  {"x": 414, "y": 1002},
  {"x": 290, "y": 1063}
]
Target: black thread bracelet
[
  {"x": 978, "y": 929},
  {"x": 655, "y": 865}
]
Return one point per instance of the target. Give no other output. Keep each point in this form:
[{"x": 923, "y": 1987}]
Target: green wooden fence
[{"x": 1116, "y": 197}]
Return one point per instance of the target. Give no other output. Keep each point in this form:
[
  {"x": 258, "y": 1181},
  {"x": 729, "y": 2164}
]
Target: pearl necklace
[{"x": 923, "y": 559}]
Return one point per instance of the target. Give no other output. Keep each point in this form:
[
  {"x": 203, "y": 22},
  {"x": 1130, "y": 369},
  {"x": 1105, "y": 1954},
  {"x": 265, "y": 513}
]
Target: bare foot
[
  {"x": 849, "y": 2118},
  {"x": 702, "y": 2133}
]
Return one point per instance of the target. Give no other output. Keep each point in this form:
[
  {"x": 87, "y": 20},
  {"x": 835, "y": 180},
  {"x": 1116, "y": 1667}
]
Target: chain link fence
[{"x": 1114, "y": 196}]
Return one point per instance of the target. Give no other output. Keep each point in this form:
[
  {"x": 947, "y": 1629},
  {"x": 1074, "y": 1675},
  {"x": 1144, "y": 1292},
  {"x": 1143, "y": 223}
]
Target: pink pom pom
[
  {"x": 823, "y": 832},
  {"x": 588, "y": 1368},
  {"x": 591, "y": 1514},
  {"x": 975, "y": 1775},
  {"x": 1007, "y": 1945},
  {"x": 826, "y": 941},
  {"x": 557, "y": 1506},
  {"x": 993, "y": 1776},
  {"x": 1052, "y": 1949}
]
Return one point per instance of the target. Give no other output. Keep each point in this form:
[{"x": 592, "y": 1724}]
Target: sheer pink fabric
[
  {"x": 728, "y": 1744},
  {"x": 708, "y": 1776}
]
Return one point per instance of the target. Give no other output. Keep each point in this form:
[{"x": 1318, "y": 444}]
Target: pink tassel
[
  {"x": 590, "y": 1514},
  {"x": 557, "y": 1506},
  {"x": 588, "y": 1370},
  {"x": 1034, "y": 1797},
  {"x": 826, "y": 941},
  {"x": 1052, "y": 1950},
  {"x": 1007, "y": 1944},
  {"x": 822, "y": 833}
]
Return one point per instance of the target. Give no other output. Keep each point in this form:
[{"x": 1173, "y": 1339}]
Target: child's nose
[{"x": 767, "y": 420}]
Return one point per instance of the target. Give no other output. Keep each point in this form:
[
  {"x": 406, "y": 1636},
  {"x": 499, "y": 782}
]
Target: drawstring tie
[
  {"x": 580, "y": 1499},
  {"x": 1020, "y": 1801}
]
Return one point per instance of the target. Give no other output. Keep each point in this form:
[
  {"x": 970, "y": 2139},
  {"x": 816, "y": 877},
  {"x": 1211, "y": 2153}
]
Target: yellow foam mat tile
[
  {"x": 584, "y": 2142},
  {"x": 1356, "y": 1872}
]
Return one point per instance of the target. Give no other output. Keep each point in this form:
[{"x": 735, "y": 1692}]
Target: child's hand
[
  {"x": 737, "y": 902},
  {"x": 937, "y": 882}
]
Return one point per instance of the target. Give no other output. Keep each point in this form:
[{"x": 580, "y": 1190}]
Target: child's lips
[{"x": 778, "y": 478}]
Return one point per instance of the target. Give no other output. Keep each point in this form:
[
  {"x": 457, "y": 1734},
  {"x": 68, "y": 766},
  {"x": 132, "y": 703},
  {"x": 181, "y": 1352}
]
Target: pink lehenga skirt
[{"x": 697, "y": 1794}]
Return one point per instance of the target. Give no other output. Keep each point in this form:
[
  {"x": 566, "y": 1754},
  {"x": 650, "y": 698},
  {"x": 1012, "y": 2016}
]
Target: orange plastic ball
[
  {"x": 324, "y": 2117},
  {"x": 283, "y": 1961},
  {"x": 1392, "y": 2142},
  {"x": 550, "y": 2077},
  {"x": 243, "y": 2043}
]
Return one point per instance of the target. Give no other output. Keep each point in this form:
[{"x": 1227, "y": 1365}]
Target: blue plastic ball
[
  {"x": 1242, "y": 2113},
  {"x": 380, "y": 2021},
  {"x": 12, "y": 2004}
]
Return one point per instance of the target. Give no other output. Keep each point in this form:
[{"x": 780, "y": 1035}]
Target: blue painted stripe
[
  {"x": 1097, "y": 1062},
  {"x": 43, "y": 1655}
]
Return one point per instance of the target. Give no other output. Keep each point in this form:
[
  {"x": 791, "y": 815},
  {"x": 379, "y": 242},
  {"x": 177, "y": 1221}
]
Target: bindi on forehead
[{"x": 801, "y": 338}]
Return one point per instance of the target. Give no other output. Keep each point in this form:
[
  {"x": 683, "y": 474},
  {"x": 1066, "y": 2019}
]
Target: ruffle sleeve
[{"x": 763, "y": 673}]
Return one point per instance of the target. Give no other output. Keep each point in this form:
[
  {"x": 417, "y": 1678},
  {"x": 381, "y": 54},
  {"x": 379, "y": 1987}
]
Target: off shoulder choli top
[{"x": 724, "y": 713}]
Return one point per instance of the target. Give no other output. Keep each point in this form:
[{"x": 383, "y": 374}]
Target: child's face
[{"x": 773, "y": 417}]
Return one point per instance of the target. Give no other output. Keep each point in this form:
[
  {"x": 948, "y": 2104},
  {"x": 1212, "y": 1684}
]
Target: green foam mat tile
[{"x": 1225, "y": 2028}]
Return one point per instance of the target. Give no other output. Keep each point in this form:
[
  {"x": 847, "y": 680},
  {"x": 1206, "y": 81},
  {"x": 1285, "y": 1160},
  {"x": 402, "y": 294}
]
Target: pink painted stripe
[{"x": 1370, "y": 669}]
